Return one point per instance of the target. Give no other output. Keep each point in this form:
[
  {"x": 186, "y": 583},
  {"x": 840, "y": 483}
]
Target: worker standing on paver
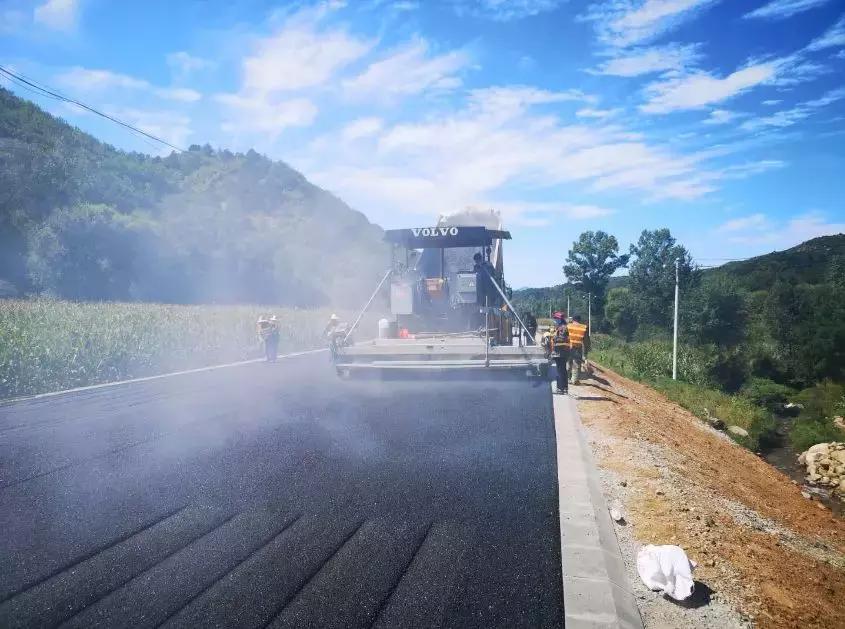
[
  {"x": 578, "y": 340},
  {"x": 485, "y": 293},
  {"x": 268, "y": 332},
  {"x": 556, "y": 343},
  {"x": 336, "y": 334},
  {"x": 530, "y": 322}
]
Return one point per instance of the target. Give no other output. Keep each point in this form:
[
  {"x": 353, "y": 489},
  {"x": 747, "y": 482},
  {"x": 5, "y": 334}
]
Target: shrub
[
  {"x": 821, "y": 401},
  {"x": 767, "y": 393},
  {"x": 815, "y": 422},
  {"x": 806, "y": 433}
]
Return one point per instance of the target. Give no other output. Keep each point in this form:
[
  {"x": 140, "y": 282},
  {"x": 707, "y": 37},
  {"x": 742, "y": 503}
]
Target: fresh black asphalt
[{"x": 281, "y": 496}]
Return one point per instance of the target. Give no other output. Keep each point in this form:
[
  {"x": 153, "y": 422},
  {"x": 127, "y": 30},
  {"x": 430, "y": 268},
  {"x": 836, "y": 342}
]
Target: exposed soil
[{"x": 776, "y": 558}]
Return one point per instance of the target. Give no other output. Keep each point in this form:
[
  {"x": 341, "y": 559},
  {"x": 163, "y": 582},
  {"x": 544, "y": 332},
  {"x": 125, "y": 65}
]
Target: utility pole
[
  {"x": 568, "y": 311},
  {"x": 675, "y": 333},
  {"x": 590, "y": 312}
]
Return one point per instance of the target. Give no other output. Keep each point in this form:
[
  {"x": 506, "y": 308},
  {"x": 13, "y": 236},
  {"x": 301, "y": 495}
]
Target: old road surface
[{"x": 279, "y": 496}]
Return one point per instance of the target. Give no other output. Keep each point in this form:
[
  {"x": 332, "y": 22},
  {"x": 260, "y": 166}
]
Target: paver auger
[{"x": 449, "y": 304}]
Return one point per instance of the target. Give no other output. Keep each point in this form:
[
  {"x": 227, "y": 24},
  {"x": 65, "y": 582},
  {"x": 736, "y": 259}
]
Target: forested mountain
[{"x": 82, "y": 220}]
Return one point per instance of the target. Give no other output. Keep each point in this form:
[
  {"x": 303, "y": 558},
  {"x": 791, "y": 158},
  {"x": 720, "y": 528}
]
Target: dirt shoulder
[{"x": 766, "y": 555}]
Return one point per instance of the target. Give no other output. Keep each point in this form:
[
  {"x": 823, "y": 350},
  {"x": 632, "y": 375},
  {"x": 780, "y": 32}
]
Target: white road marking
[{"x": 156, "y": 377}]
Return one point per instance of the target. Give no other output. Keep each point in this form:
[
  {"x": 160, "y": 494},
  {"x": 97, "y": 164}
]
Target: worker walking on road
[
  {"x": 268, "y": 332},
  {"x": 578, "y": 341},
  {"x": 556, "y": 343}
]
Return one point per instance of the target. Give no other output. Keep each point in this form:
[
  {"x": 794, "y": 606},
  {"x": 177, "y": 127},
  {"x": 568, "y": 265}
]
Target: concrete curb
[
  {"x": 185, "y": 372},
  {"x": 596, "y": 591}
]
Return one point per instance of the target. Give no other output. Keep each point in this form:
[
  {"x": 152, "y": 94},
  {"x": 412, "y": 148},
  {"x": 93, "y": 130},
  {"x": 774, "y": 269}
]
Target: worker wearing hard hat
[
  {"x": 556, "y": 344},
  {"x": 336, "y": 333},
  {"x": 332, "y": 325},
  {"x": 579, "y": 341},
  {"x": 268, "y": 332}
]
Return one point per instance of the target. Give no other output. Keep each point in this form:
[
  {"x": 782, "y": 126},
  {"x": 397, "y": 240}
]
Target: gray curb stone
[{"x": 596, "y": 591}]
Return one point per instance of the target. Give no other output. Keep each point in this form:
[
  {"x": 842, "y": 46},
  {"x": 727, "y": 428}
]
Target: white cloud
[
  {"x": 361, "y": 128},
  {"x": 503, "y": 138},
  {"x": 281, "y": 68},
  {"x": 698, "y": 89},
  {"x": 167, "y": 125},
  {"x": 184, "y": 64},
  {"x": 81, "y": 79},
  {"x": 407, "y": 71},
  {"x": 58, "y": 15},
  {"x": 300, "y": 55},
  {"x": 505, "y": 10},
  {"x": 589, "y": 112},
  {"x": 639, "y": 61},
  {"x": 781, "y": 235},
  {"x": 772, "y": 102},
  {"x": 781, "y": 9},
  {"x": 626, "y": 22},
  {"x": 86, "y": 80},
  {"x": 744, "y": 223},
  {"x": 721, "y": 116},
  {"x": 789, "y": 117},
  {"x": 264, "y": 113},
  {"x": 515, "y": 99},
  {"x": 834, "y": 37},
  {"x": 528, "y": 214},
  {"x": 748, "y": 169}
]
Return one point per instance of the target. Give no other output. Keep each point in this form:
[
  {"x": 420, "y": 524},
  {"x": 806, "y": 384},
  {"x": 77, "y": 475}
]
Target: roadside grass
[
  {"x": 651, "y": 363},
  {"x": 49, "y": 345}
]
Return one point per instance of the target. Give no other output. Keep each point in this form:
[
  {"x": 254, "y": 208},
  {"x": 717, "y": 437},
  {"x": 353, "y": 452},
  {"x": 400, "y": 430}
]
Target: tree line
[{"x": 778, "y": 318}]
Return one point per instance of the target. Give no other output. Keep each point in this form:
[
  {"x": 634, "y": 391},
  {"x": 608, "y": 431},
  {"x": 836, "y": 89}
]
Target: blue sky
[{"x": 723, "y": 120}]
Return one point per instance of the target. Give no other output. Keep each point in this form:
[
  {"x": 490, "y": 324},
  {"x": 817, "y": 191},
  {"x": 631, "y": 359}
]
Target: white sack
[{"x": 667, "y": 569}]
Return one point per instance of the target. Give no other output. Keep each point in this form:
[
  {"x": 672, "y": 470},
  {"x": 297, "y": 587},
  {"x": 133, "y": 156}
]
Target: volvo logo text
[{"x": 434, "y": 231}]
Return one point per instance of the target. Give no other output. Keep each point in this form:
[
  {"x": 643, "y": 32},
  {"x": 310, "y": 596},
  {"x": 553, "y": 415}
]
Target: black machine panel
[{"x": 444, "y": 237}]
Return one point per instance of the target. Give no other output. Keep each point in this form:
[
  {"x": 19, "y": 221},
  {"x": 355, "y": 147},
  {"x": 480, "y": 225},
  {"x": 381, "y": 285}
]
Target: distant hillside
[
  {"x": 538, "y": 300},
  {"x": 83, "y": 220},
  {"x": 812, "y": 262}
]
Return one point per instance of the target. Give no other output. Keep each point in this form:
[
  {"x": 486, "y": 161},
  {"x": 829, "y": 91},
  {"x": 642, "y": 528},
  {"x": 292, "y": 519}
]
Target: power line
[{"x": 43, "y": 91}]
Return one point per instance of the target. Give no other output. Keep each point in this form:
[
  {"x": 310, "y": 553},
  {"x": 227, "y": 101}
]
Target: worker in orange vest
[
  {"x": 579, "y": 342},
  {"x": 556, "y": 344}
]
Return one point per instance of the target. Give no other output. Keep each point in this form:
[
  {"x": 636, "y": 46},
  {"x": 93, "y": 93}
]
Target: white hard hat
[
  {"x": 334, "y": 317},
  {"x": 274, "y": 318}
]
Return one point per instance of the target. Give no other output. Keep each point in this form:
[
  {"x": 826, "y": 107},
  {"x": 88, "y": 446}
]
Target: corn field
[{"x": 48, "y": 345}]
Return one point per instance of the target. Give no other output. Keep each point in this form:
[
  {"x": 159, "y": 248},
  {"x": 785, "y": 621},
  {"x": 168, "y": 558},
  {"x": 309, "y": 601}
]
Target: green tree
[
  {"x": 619, "y": 312},
  {"x": 593, "y": 258},
  {"x": 652, "y": 275},
  {"x": 715, "y": 313},
  {"x": 85, "y": 252}
]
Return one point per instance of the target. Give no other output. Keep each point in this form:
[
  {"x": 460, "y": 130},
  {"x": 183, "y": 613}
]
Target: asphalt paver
[{"x": 277, "y": 495}]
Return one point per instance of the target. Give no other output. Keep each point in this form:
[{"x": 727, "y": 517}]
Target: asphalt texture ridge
[{"x": 277, "y": 495}]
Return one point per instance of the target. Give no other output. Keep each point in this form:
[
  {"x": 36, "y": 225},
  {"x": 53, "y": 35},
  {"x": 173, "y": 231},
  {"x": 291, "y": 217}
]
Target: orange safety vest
[{"x": 577, "y": 332}]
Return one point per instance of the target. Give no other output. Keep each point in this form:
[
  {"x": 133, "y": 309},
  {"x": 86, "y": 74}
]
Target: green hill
[
  {"x": 812, "y": 262},
  {"x": 82, "y": 220}
]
